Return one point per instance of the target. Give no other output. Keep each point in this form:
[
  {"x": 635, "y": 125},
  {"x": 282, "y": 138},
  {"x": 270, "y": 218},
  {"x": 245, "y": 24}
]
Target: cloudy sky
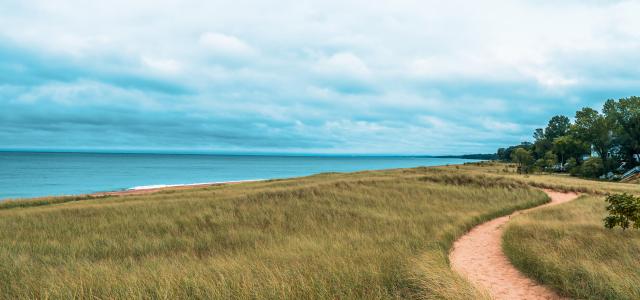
[{"x": 427, "y": 77}]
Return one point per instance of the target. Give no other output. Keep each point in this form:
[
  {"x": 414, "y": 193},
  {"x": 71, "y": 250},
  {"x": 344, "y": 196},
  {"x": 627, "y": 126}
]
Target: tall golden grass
[
  {"x": 568, "y": 248},
  {"x": 554, "y": 181},
  {"x": 367, "y": 235}
]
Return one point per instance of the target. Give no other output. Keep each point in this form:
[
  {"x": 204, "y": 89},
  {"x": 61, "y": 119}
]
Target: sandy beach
[{"x": 143, "y": 190}]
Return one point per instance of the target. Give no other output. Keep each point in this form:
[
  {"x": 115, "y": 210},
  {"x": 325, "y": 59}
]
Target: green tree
[
  {"x": 624, "y": 211},
  {"x": 505, "y": 153},
  {"x": 523, "y": 159},
  {"x": 569, "y": 147},
  {"x": 547, "y": 162},
  {"x": 501, "y": 154},
  {"x": 592, "y": 167},
  {"x": 625, "y": 116},
  {"x": 557, "y": 127},
  {"x": 596, "y": 130},
  {"x": 572, "y": 166},
  {"x": 613, "y": 134},
  {"x": 550, "y": 159},
  {"x": 541, "y": 147},
  {"x": 538, "y": 134}
]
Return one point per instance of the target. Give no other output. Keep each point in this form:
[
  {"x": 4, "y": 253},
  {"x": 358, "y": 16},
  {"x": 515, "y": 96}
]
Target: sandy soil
[{"x": 479, "y": 257}]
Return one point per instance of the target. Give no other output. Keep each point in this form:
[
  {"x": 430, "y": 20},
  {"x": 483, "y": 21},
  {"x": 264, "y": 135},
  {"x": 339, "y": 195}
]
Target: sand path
[{"x": 479, "y": 257}]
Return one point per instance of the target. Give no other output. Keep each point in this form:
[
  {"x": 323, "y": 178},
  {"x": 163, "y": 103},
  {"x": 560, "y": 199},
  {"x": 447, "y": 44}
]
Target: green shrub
[
  {"x": 572, "y": 166},
  {"x": 592, "y": 167},
  {"x": 523, "y": 159},
  {"x": 624, "y": 211}
]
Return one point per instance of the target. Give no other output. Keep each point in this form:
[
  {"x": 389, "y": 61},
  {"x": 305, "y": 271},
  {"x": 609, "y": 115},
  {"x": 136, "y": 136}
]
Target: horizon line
[{"x": 224, "y": 153}]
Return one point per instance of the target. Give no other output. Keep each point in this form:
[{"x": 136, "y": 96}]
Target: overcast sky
[{"x": 427, "y": 77}]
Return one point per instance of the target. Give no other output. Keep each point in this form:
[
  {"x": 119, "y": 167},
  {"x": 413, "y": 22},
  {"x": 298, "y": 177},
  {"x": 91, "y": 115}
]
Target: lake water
[{"x": 28, "y": 174}]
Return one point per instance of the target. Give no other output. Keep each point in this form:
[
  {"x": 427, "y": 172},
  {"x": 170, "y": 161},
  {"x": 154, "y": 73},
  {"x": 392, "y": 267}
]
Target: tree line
[{"x": 595, "y": 144}]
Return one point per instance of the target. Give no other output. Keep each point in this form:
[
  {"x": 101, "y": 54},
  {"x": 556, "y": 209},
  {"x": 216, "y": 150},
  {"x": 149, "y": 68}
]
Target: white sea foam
[{"x": 158, "y": 186}]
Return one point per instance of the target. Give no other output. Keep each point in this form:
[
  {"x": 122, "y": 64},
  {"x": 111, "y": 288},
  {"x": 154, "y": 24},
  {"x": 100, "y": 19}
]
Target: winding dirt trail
[{"x": 479, "y": 257}]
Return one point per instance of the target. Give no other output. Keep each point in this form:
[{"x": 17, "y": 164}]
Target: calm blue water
[{"x": 24, "y": 174}]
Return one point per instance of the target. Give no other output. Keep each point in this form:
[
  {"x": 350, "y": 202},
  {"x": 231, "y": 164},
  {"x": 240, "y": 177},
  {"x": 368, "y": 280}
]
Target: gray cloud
[{"x": 290, "y": 76}]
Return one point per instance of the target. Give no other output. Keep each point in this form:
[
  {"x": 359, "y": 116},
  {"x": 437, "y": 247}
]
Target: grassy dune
[
  {"x": 560, "y": 182},
  {"x": 568, "y": 248},
  {"x": 373, "y": 235}
]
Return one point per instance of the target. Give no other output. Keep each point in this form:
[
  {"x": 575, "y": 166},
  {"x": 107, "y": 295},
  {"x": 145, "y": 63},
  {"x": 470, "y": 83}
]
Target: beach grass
[
  {"x": 41, "y": 201},
  {"x": 568, "y": 248},
  {"x": 554, "y": 181},
  {"x": 365, "y": 235}
]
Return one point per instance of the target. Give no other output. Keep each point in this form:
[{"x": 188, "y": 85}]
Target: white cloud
[
  {"x": 550, "y": 79},
  {"x": 225, "y": 44},
  {"x": 434, "y": 122},
  {"x": 163, "y": 65},
  {"x": 343, "y": 63},
  {"x": 500, "y": 126}
]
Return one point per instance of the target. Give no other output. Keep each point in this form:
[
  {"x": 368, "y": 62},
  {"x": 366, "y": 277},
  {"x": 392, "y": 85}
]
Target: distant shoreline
[
  {"x": 469, "y": 156},
  {"x": 141, "y": 190},
  {"x": 148, "y": 189},
  {"x": 161, "y": 186}
]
